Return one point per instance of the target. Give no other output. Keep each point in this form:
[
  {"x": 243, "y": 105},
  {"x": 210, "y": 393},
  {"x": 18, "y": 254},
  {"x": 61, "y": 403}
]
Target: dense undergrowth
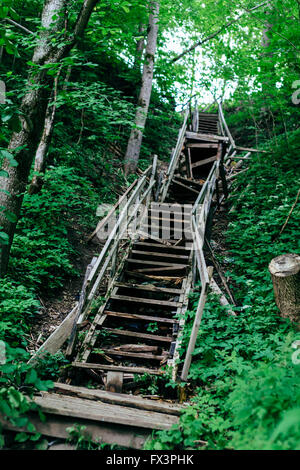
[{"x": 245, "y": 379}]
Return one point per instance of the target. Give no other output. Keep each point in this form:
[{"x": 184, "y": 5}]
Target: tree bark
[
  {"x": 285, "y": 273},
  {"x": 33, "y": 108},
  {"x": 136, "y": 136},
  {"x": 43, "y": 147},
  {"x": 140, "y": 46}
]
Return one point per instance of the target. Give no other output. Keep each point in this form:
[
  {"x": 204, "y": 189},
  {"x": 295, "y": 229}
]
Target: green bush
[
  {"x": 18, "y": 307},
  {"x": 246, "y": 384}
]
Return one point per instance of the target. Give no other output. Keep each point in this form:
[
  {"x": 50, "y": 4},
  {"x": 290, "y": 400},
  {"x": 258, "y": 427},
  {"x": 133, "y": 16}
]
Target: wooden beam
[
  {"x": 154, "y": 263},
  {"x": 178, "y": 183},
  {"x": 147, "y": 356},
  {"x": 128, "y": 298},
  {"x": 136, "y": 316},
  {"x": 130, "y": 401},
  {"x": 202, "y": 146},
  {"x": 204, "y": 162},
  {"x": 134, "y": 334},
  {"x": 160, "y": 255},
  {"x": 245, "y": 149},
  {"x": 133, "y": 370},
  {"x": 96, "y": 411},
  {"x": 148, "y": 287},
  {"x": 208, "y": 137},
  {"x": 55, "y": 426}
]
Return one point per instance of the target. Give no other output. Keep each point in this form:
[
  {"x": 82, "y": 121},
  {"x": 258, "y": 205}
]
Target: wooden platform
[{"x": 108, "y": 417}]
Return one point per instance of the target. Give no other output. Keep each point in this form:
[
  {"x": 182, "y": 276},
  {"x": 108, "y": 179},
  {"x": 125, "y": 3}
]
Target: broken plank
[
  {"x": 56, "y": 426},
  {"x": 204, "y": 162},
  {"x": 160, "y": 255},
  {"x": 96, "y": 411},
  {"x": 177, "y": 248},
  {"x": 130, "y": 401},
  {"x": 131, "y": 354},
  {"x": 148, "y": 287},
  {"x": 178, "y": 183},
  {"x": 133, "y": 370},
  {"x": 152, "y": 263},
  {"x": 245, "y": 149},
  {"x": 136, "y": 316},
  {"x": 177, "y": 267},
  {"x": 134, "y": 334},
  {"x": 199, "y": 136},
  {"x": 127, "y": 298}
]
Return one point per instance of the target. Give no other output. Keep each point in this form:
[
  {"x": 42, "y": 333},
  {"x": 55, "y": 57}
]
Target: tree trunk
[
  {"x": 136, "y": 136},
  {"x": 285, "y": 273},
  {"x": 33, "y": 108},
  {"x": 42, "y": 150},
  {"x": 140, "y": 46}
]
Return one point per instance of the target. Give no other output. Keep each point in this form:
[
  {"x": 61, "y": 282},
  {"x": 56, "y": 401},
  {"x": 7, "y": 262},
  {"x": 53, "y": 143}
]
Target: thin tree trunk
[
  {"x": 42, "y": 150},
  {"x": 136, "y": 136},
  {"x": 33, "y": 108},
  {"x": 140, "y": 46}
]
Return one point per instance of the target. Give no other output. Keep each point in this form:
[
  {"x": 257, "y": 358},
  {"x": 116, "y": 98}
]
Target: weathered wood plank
[
  {"x": 154, "y": 263},
  {"x": 203, "y": 146},
  {"x": 53, "y": 403},
  {"x": 182, "y": 185},
  {"x": 134, "y": 334},
  {"x": 131, "y": 401},
  {"x": 111, "y": 352},
  {"x": 160, "y": 255},
  {"x": 148, "y": 287},
  {"x": 209, "y": 137},
  {"x": 204, "y": 162},
  {"x": 109, "y": 433},
  {"x": 133, "y": 370},
  {"x": 136, "y": 316},
  {"x": 170, "y": 247},
  {"x": 163, "y": 303}
]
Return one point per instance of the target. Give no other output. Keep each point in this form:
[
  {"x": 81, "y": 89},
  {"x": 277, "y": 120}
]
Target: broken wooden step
[
  {"x": 104, "y": 367},
  {"x": 131, "y": 354},
  {"x": 161, "y": 256},
  {"x": 131, "y": 401},
  {"x": 148, "y": 287},
  {"x": 162, "y": 248},
  {"x": 139, "y": 336},
  {"x": 153, "y": 264},
  {"x": 140, "y": 300},
  {"x": 136, "y": 316}
]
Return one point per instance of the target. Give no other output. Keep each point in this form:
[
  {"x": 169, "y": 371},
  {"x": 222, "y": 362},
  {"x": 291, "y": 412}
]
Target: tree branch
[
  {"x": 213, "y": 35},
  {"x": 18, "y": 25}
]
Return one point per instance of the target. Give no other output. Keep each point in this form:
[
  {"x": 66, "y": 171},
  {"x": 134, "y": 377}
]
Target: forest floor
[{"x": 55, "y": 308}]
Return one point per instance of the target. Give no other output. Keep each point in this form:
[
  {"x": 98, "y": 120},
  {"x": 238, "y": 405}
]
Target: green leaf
[
  {"x": 10, "y": 216},
  {"x": 31, "y": 377}
]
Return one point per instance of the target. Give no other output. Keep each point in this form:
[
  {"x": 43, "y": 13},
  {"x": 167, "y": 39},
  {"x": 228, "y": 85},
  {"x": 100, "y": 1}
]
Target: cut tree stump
[{"x": 285, "y": 273}]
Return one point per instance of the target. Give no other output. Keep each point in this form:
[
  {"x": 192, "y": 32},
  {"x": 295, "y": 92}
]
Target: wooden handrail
[{"x": 225, "y": 126}]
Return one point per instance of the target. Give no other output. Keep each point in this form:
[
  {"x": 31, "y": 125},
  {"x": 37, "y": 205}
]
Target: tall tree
[
  {"x": 43, "y": 147},
  {"x": 136, "y": 135},
  {"x": 52, "y": 47}
]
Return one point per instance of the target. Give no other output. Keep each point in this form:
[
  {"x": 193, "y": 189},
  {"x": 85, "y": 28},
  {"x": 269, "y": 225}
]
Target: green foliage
[
  {"x": 248, "y": 393},
  {"x": 18, "y": 308},
  {"x": 18, "y": 381},
  {"x": 79, "y": 437},
  {"x": 51, "y": 221}
]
